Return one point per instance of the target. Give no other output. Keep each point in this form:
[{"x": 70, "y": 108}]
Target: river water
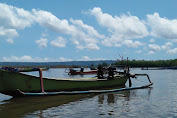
[{"x": 158, "y": 101}]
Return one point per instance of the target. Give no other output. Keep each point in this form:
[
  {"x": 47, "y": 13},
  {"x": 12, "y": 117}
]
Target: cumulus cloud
[
  {"x": 151, "y": 52},
  {"x": 86, "y": 58},
  {"x": 134, "y": 44},
  {"x": 154, "y": 47},
  {"x": 167, "y": 46},
  {"x": 14, "y": 19},
  {"x": 121, "y": 28},
  {"x": 87, "y": 35},
  {"x": 59, "y": 42},
  {"x": 79, "y": 32},
  {"x": 42, "y": 43},
  {"x": 9, "y": 40},
  {"x": 89, "y": 29},
  {"x": 9, "y": 34},
  {"x": 172, "y": 51},
  {"x": 162, "y": 27},
  {"x": 92, "y": 46},
  {"x": 51, "y": 22}
]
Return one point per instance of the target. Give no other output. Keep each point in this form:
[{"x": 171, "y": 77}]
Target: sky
[{"x": 86, "y": 30}]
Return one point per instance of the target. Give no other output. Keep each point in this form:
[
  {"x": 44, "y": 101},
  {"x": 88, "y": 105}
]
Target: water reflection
[
  {"x": 18, "y": 107},
  {"x": 120, "y": 101},
  {"x": 110, "y": 98},
  {"x": 109, "y": 104}
]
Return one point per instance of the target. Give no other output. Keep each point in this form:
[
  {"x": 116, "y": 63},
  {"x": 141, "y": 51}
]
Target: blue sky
[{"x": 65, "y": 30}]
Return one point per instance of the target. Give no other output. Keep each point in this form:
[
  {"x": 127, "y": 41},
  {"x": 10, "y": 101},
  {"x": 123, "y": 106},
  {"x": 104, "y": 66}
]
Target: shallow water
[{"x": 160, "y": 100}]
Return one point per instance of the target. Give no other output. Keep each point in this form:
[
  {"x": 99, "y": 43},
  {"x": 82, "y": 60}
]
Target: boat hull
[{"x": 10, "y": 82}]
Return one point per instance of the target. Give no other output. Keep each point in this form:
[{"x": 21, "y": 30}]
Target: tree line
[
  {"x": 148, "y": 63},
  {"x": 142, "y": 63}
]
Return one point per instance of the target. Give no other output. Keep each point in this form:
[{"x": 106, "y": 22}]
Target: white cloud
[
  {"x": 13, "y": 17},
  {"x": 90, "y": 30},
  {"x": 123, "y": 27},
  {"x": 151, "y": 40},
  {"x": 172, "y": 51},
  {"x": 107, "y": 43},
  {"x": 9, "y": 40},
  {"x": 59, "y": 42},
  {"x": 62, "y": 59},
  {"x": 80, "y": 47},
  {"x": 51, "y": 22},
  {"x": 86, "y": 37},
  {"x": 27, "y": 58},
  {"x": 167, "y": 46},
  {"x": 162, "y": 27},
  {"x": 24, "y": 58},
  {"x": 9, "y": 34},
  {"x": 44, "y": 34},
  {"x": 132, "y": 44},
  {"x": 92, "y": 46},
  {"x": 154, "y": 47},
  {"x": 79, "y": 32},
  {"x": 86, "y": 58},
  {"x": 151, "y": 52},
  {"x": 42, "y": 42}
]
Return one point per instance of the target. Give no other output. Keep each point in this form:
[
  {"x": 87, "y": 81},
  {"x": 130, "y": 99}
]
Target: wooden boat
[{"x": 11, "y": 82}]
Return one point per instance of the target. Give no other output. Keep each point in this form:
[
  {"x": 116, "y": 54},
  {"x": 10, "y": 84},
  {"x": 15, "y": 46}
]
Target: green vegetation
[{"x": 148, "y": 63}]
